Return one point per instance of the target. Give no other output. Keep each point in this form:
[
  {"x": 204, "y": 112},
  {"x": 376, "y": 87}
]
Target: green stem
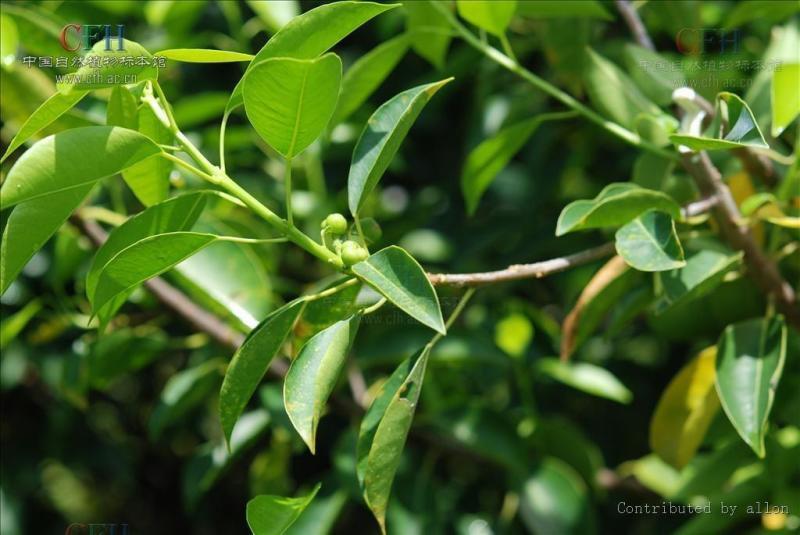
[
  {"x": 374, "y": 308},
  {"x": 222, "y": 126},
  {"x": 507, "y": 47},
  {"x": 287, "y": 186},
  {"x": 566, "y": 99},
  {"x": 357, "y": 221},
  {"x": 330, "y": 291},
  {"x": 454, "y": 316}
]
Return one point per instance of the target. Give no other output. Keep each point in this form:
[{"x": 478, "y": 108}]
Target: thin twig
[{"x": 635, "y": 24}]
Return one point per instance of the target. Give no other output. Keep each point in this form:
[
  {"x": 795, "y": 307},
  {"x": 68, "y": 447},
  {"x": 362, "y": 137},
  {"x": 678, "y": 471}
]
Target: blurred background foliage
[{"x": 124, "y": 428}]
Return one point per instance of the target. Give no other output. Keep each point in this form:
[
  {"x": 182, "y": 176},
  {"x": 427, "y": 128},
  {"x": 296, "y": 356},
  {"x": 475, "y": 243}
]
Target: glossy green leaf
[
  {"x": 366, "y": 74},
  {"x": 30, "y": 225},
  {"x": 685, "y": 410},
  {"x": 750, "y": 357},
  {"x": 399, "y": 278},
  {"x": 587, "y": 378},
  {"x": 184, "y": 391},
  {"x": 145, "y": 259},
  {"x": 554, "y": 500},
  {"x": 290, "y": 101},
  {"x": 384, "y": 430},
  {"x": 494, "y": 16},
  {"x": 702, "y": 273},
  {"x": 273, "y": 515},
  {"x": 733, "y": 126},
  {"x": 613, "y": 93},
  {"x": 650, "y": 243},
  {"x": 12, "y": 325},
  {"x": 313, "y": 33},
  {"x": 486, "y": 160},
  {"x": 616, "y": 205},
  {"x": 250, "y": 363},
  {"x": 149, "y": 179},
  {"x": 204, "y": 55},
  {"x": 313, "y": 376},
  {"x": 547, "y": 9},
  {"x": 429, "y": 30},
  {"x": 94, "y": 74},
  {"x": 122, "y": 108},
  {"x": 381, "y": 138},
  {"x": 785, "y": 97},
  {"x": 52, "y": 108},
  {"x": 73, "y": 159}
]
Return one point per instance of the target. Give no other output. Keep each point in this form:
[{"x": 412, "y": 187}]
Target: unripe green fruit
[
  {"x": 335, "y": 224},
  {"x": 353, "y": 253}
]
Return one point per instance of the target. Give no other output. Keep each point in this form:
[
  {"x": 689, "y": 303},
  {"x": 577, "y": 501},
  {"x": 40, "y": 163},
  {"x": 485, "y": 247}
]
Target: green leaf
[
  {"x": 184, "y": 391},
  {"x": 494, "y": 16},
  {"x": 547, "y": 9},
  {"x": 492, "y": 155},
  {"x": 650, "y": 243},
  {"x": 313, "y": 33},
  {"x": 380, "y": 139},
  {"x": 750, "y": 357},
  {"x": 290, "y": 101},
  {"x": 553, "y": 500},
  {"x": 366, "y": 74},
  {"x": 653, "y": 73},
  {"x": 733, "y": 126},
  {"x": 399, "y": 278},
  {"x": 9, "y": 40},
  {"x": 384, "y": 430},
  {"x": 273, "y": 515},
  {"x": 204, "y": 55},
  {"x": 685, "y": 411},
  {"x": 770, "y": 11},
  {"x": 587, "y": 378},
  {"x": 52, "y": 108},
  {"x": 703, "y": 272},
  {"x": 73, "y": 159},
  {"x": 785, "y": 97},
  {"x": 616, "y": 205},
  {"x": 122, "y": 108},
  {"x": 145, "y": 259},
  {"x": 313, "y": 375},
  {"x": 275, "y": 15},
  {"x": 108, "y": 74},
  {"x": 429, "y": 30},
  {"x": 613, "y": 93},
  {"x": 251, "y": 361},
  {"x": 149, "y": 179},
  {"x": 29, "y": 227}
]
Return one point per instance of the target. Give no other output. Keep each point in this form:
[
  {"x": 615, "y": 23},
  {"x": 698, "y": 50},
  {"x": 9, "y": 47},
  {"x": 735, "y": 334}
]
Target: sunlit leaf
[
  {"x": 149, "y": 179},
  {"x": 429, "y": 31},
  {"x": 701, "y": 274},
  {"x": 493, "y": 16},
  {"x": 650, "y": 243},
  {"x": 100, "y": 73},
  {"x": 587, "y": 378},
  {"x": 785, "y": 97},
  {"x": 204, "y": 55},
  {"x": 121, "y": 109},
  {"x": 273, "y": 515},
  {"x": 733, "y": 126}
]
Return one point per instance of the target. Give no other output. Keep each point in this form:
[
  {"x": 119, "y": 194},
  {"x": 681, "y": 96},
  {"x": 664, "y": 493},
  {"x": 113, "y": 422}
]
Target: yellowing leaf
[{"x": 685, "y": 410}]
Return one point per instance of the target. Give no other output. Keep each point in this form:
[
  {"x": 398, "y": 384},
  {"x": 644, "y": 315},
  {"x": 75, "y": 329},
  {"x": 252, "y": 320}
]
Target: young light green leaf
[
  {"x": 733, "y": 126},
  {"x": 555, "y": 482},
  {"x": 650, "y": 243},
  {"x": 313, "y": 33},
  {"x": 429, "y": 31},
  {"x": 250, "y": 363},
  {"x": 703, "y": 272},
  {"x": 616, "y": 205},
  {"x": 384, "y": 430},
  {"x": 613, "y": 93},
  {"x": 493, "y": 154},
  {"x": 100, "y": 73},
  {"x": 149, "y": 179},
  {"x": 494, "y": 16},
  {"x": 29, "y": 227},
  {"x": 785, "y": 97},
  {"x": 550, "y": 9},
  {"x": 399, "y": 278},
  {"x": 72, "y": 159},
  {"x": 275, "y": 15},
  {"x": 122, "y": 108},
  {"x": 50, "y": 110},
  {"x": 144, "y": 259},
  {"x": 366, "y": 74},
  {"x": 587, "y": 378},
  {"x": 9, "y": 40},
  {"x": 685, "y": 410},
  {"x": 380, "y": 139},
  {"x": 204, "y": 55},
  {"x": 313, "y": 375},
  {"x": 273, "y": 515},
  {"x": 750, "y": 357},
  {"x": 290, "y": 101}
]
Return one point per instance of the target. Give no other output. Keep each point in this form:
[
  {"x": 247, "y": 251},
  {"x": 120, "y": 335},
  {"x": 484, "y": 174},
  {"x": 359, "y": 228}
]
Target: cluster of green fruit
[{"x": 335, "y": 236}]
